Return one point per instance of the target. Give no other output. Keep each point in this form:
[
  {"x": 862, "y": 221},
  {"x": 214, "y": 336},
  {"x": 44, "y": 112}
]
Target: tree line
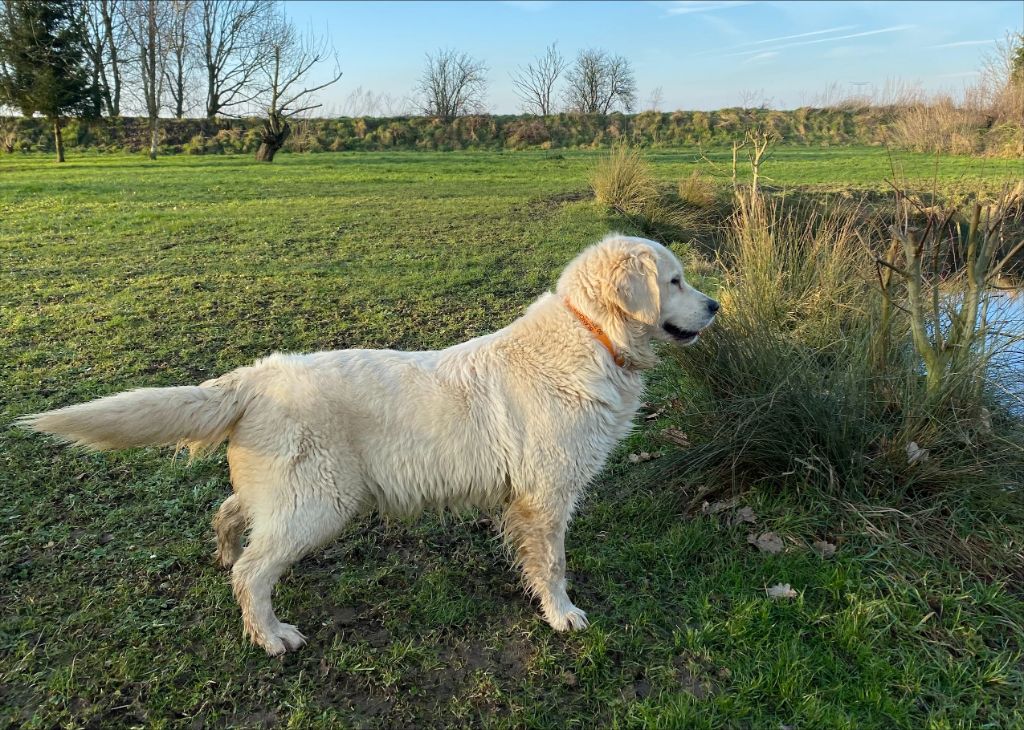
[
  {"x": 88, "y": 59},
  {"x": 93, "y": 58}
]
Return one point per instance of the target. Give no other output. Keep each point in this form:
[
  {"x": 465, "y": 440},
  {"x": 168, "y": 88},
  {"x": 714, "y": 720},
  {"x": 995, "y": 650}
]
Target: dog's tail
[{"x": 197, "y": 416}]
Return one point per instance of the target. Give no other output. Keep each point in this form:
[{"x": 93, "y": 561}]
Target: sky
[{"x": 702, "y": 54}]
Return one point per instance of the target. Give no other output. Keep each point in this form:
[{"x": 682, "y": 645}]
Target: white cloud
[
  {"x": 762, "y": 56},
  {"x": 530, "y": 5},
  {"x": 891, "y": 29},
  {"x": 798, "y": 35},
  {"x": 685, "y": 7},
  {"x": 958, "y": 44}
]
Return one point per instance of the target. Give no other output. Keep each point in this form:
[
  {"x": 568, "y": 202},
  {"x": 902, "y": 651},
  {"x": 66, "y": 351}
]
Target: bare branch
[
  {"x": 535, "y": 84},
  {"x": 453, "y": 84},
  {"x": 597, "y": 83}
]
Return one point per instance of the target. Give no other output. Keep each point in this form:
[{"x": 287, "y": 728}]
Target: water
[{"x": 1006, "y": 338}]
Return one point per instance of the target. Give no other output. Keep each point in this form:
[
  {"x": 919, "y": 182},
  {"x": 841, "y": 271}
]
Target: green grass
[{"x": 116, "y": 272}]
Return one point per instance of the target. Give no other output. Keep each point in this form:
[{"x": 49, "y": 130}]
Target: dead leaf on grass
[
  {"x": 825, "y": 549},
  {"x": 781, "y": 590},
  {"x": 642, "y": 456},
  {"x": 676, "y": 436},
  {"x": 915, "y": 453},
  {"x": 716, "y": 507},
  {"x": 766, "y": 542},
  {"x": 746, "y": 514}
]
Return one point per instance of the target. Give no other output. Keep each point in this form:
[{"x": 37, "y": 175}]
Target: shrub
[
  {"x": 8, "y": 136},
  {"x": 624, "y": 181},
  {"x": 938, "y": 126},
  {"x": 810, "y": 375},
  {"x": 698, "y": 192}
]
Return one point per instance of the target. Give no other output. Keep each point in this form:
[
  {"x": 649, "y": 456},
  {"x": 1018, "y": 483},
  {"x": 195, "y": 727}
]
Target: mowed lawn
[{"x": 116, "y": 272}]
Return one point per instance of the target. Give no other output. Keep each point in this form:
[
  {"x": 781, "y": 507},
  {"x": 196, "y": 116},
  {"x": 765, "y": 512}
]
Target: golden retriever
[{"x": 521, "y": 419}]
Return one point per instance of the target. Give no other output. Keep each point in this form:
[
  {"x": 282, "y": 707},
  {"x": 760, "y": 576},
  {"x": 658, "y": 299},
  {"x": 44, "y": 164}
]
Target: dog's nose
[{"x": 713, "y": 306}]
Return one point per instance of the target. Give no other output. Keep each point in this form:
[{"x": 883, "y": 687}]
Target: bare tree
[
  {"x": 144, "y": 19},
  {"x": 452, "y": 84},
  {"x": 105, "y": 20},
  {"x": 535, "y": 84},
  {"x": 655, "y": 100},
  {"x": 230, "y": 34},
  {"x": 282, "y": 80},
  {"x": 599, "y": 82},
  {"x": 180, "y": 35}
]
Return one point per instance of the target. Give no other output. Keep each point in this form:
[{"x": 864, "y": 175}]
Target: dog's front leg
[{"x": 535, "y": 529}]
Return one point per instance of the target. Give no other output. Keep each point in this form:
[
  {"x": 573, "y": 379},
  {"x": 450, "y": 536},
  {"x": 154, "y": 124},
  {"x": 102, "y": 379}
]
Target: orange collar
[{"x": 596, "y": 331}]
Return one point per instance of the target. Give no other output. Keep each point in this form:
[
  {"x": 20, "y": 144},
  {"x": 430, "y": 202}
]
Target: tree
[
  {"x": 104, "y": 41},
  {"x": 535, "y": 84},
  {"x": 43, "y": 66},
  {"x": 655, "y": 100},
  {"x": 1017, "y": 64},
  {"x": 452, "y": 84},
  {"x": 229, "y": 41},
  {"x": 597, "y": 82},
  {"x": 282, "y": 78},
  {"x": 144, "y": 21},
  {"x": 180, "y": 34}
]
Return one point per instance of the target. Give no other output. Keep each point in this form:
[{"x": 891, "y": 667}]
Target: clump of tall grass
[
  {"x": 795, "y": 382},
  {"x": 939, "y": 125},
  {"x": 624, "y": 182},
  {"x": 698, "y": 192}
]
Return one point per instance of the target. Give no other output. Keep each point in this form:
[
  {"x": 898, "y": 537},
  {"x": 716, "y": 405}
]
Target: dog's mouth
[{"x": 680, "y": 335}]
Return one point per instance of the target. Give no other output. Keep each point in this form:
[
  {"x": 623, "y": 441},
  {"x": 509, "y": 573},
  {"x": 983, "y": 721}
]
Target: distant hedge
[{"x": 809, "y": 126}]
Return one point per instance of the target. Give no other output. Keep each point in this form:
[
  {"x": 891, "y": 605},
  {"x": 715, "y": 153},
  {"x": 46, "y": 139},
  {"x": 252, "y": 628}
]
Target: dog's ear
[{"x": 635, "y": 282}]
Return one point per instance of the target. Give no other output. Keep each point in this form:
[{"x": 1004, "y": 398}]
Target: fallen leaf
[
  {"x": 676, "y": 436},
  {"x": 746, "y": 514},
  {"x": 766, "y": 542},
  {"x": 915, "y": 453},
  {"x": 781, "y": 590},
  {"x": 825, "y": 549},
  {"x": 986, "y": 420},
  {"x": 654, "y": 415},
  {"x": 716, "y": 507}
]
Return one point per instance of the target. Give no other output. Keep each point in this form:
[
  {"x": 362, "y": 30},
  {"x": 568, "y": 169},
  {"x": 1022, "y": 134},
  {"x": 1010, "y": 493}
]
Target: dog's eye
[{"x": 676, "y": 282}]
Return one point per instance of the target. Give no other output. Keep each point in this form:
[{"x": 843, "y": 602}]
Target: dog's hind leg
[
  {"x": 536, "y": 530},
  {"x": 228, "y": 525},
  {"x": 277, "y": 541}
]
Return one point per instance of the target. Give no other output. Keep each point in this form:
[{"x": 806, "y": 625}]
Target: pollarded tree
[
  {"x": 43, "y": 66},
  {"x": 282, "y": 81},
  {"x": 535, "y": 84},
  {"x": 452, "y": 84},
  {"x": 598, "y": 82}
]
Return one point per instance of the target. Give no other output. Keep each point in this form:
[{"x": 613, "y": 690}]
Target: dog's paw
[
  {"x": 568, "y": 619},
  {"x": 226, "y": 559},
  {"x": 284, "y": 638}
]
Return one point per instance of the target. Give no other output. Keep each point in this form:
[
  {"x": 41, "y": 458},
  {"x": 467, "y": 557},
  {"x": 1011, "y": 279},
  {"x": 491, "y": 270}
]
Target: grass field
[{"x": 116, "y": 272}]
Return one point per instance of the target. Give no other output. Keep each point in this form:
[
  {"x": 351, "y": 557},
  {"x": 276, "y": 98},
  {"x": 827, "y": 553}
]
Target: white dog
[{"x": 522, "y": 418}]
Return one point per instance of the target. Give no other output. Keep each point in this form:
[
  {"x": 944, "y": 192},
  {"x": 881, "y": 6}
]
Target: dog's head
[{"x": 635, "y": 290}]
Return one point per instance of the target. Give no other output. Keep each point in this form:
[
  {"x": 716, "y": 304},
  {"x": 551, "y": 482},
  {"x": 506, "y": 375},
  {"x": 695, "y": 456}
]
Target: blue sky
[{"x": 703, "y": 55}]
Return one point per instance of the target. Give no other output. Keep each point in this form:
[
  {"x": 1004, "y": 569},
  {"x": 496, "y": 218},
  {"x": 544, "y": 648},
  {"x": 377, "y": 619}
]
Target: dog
[{"x": 519, "y": 420}]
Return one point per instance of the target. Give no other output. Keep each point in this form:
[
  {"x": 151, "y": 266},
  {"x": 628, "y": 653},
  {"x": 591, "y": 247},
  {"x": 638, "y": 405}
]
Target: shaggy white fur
[{"x": 522, "y": 419}]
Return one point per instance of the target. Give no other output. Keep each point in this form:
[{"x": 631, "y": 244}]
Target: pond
[{"x": 1006, "y": 338}]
